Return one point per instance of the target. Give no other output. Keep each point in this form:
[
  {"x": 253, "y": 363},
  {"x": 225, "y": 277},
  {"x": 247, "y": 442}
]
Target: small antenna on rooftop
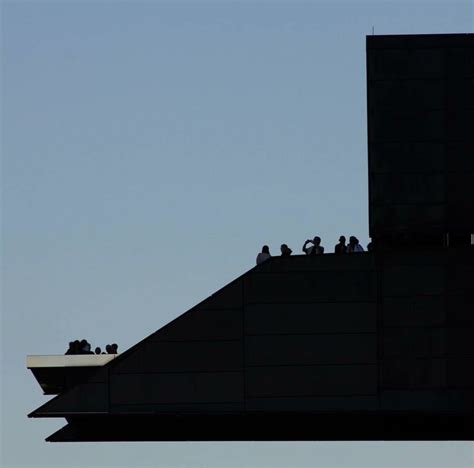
[{"x": 373, "y": 31}]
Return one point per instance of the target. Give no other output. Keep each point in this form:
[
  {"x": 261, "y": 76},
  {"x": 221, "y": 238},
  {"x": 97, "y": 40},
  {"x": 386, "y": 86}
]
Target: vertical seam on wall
[
  {"x": 369, "y": 159},
  {"x": 244, "y": 364},
  {"x": 379, "y": 328},
  {"x": 446, "y": 144},
  {"x": 446, "y": 265},
  {"x": 108, "y": 391}
]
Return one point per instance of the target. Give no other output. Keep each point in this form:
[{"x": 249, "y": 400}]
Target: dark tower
[{"x": 420, "y": 99}]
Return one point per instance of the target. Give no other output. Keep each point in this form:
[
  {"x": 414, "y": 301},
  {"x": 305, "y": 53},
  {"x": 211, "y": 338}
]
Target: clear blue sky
[{"x": 149, "y": 149}]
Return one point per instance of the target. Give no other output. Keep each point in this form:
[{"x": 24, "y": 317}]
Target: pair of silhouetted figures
[
  {"x": 314, "y": 247},
  {"x": 265, "y": 253},
  {"x": 84, "y": 347},
  {"x": 352, "y": 247}
]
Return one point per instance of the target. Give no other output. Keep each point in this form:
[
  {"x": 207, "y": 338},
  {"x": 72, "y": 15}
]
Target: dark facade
[
  {"x": 331, "y": 347},
  {"x": 420, "y": 99}
]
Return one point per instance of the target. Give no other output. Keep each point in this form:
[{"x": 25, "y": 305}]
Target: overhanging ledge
[{"x": 57, "y": 373}]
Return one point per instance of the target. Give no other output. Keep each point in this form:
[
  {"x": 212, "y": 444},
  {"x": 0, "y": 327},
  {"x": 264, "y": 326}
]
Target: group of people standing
[
  {"x": 314, "y": 247},
  {"x": 84, "y": 347}
]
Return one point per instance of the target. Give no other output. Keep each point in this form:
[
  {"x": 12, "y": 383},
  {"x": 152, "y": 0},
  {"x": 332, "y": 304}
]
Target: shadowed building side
[{"x": 285, "y": 344}]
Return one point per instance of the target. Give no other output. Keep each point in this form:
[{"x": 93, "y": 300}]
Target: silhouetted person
[
  {"x": 354, "y": 246},
  {"x": 98, "y": 350},
  {"x": 74, "y": 347},
  {"x": 85, "y": 347},
  {"x": 71, "y": 349},
  {"x": 340, "y": 247},
  {"x": 316, "y": 248},
  {"x": 82, "y": 346},
  {"x": 263, "y": 255},
  {"x": 114, "y": 348},
  {"x": 285, "y": 250},
  {"x": 108, "y": 349}
]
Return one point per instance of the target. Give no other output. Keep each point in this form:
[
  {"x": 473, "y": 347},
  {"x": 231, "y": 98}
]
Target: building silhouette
[{"x": 284, "y": 352}]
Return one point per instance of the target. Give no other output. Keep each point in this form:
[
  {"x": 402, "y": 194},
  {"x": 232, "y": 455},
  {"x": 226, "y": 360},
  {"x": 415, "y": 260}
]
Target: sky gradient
[{"x": 149, "y": 150}]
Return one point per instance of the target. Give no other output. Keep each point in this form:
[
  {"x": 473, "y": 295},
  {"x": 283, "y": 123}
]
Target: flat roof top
[
  {"x": 411, "y": 41},
  {"x": 69, "y": 360}
]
